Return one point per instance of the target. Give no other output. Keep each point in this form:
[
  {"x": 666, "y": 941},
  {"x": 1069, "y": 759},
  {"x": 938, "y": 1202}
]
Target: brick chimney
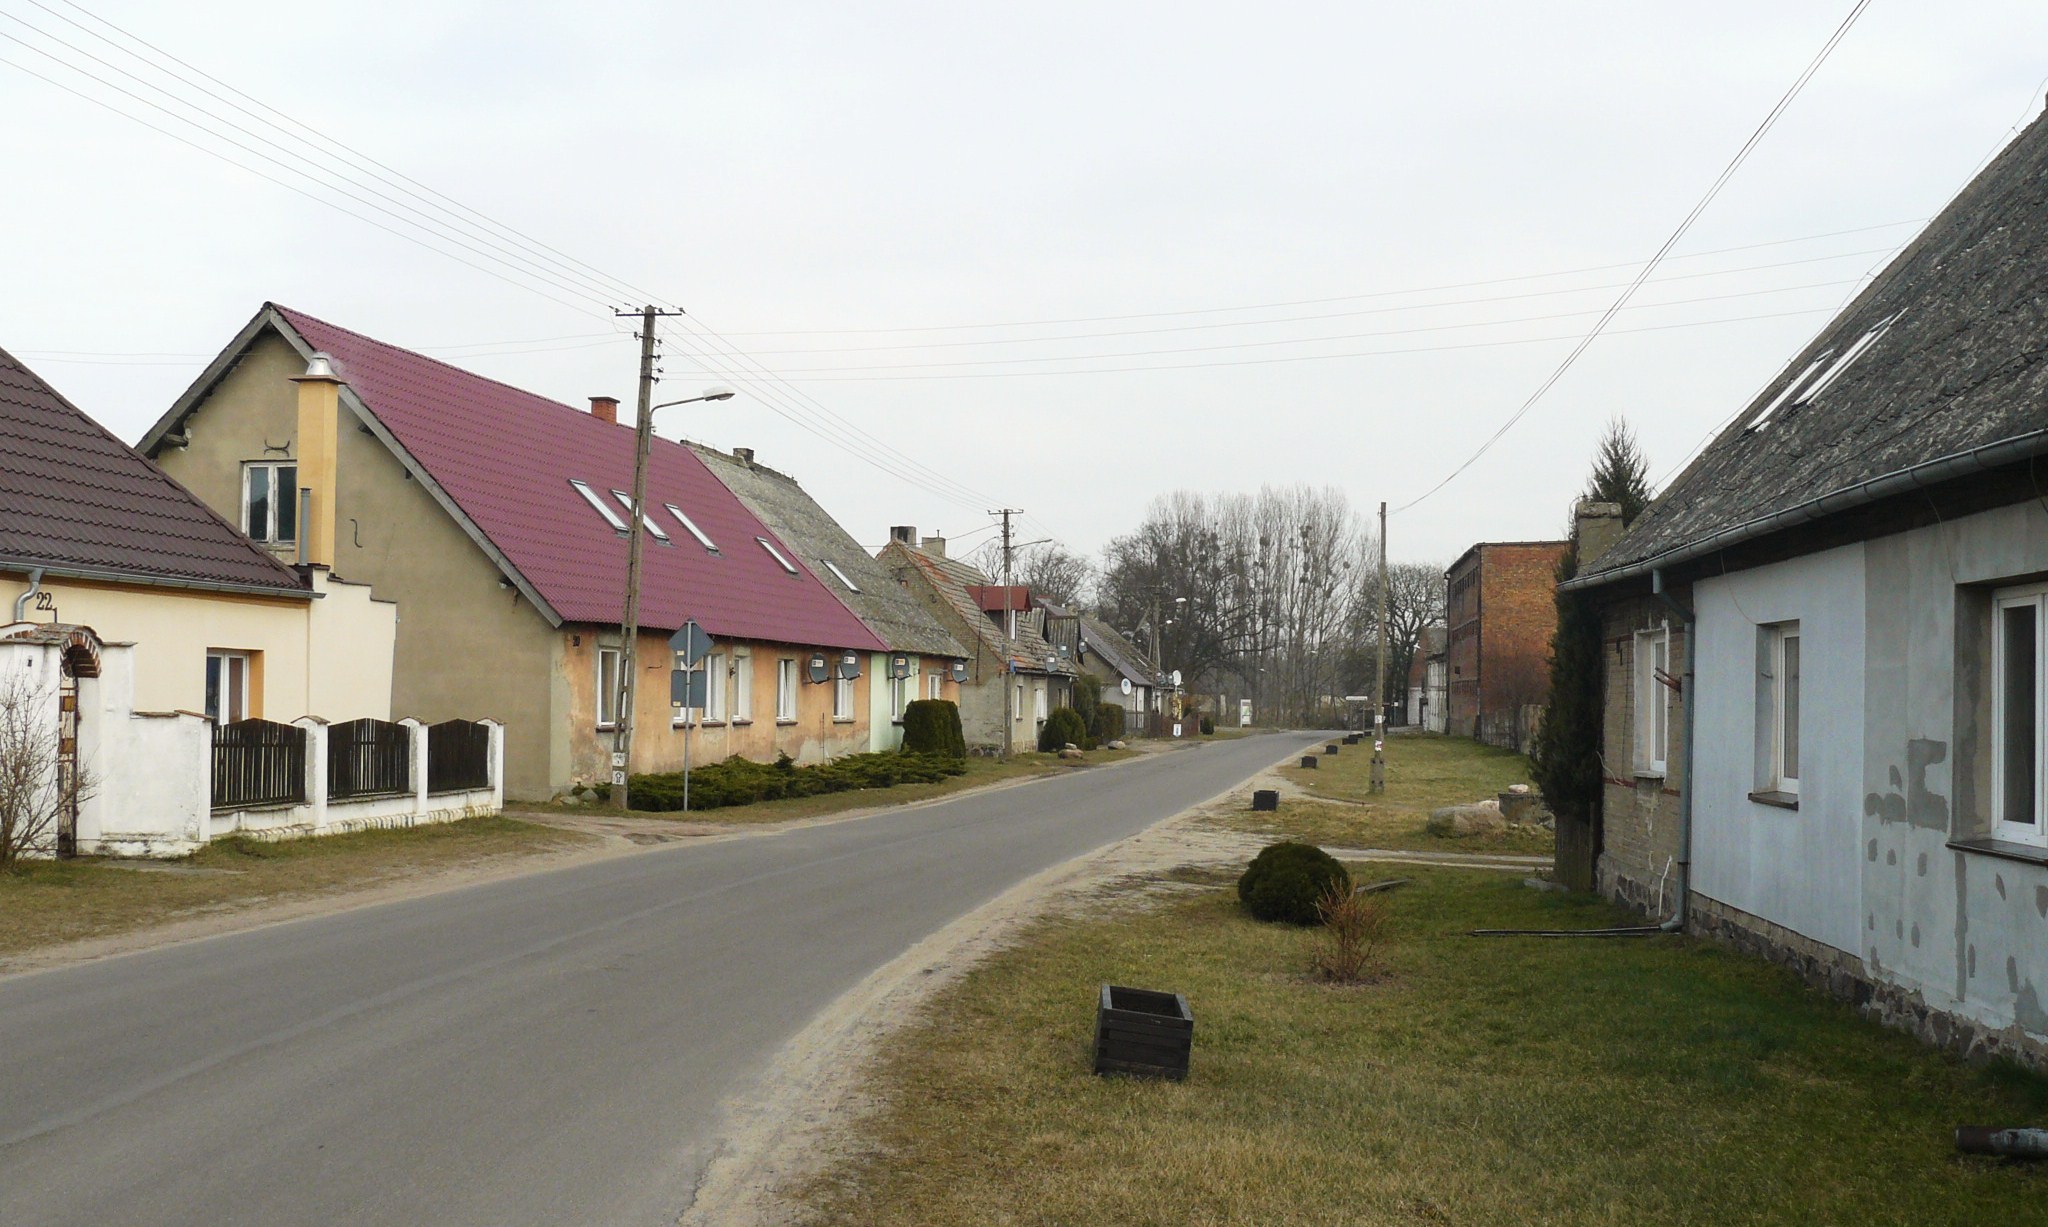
[
  {"x": 935, "y": 546},
  {"x": 1596, "y": 527},
  {"x": 904, "y": 533},
  {"x": 745, "y": 455},
  {"x": 605, "y": 409}
]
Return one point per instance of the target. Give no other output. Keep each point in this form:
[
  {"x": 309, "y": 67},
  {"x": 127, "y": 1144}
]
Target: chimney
[
  {"x": 745, "y": 455},
  {"x": 904, "y": 533},
  {"x": 605, "y": 409},
  {"x": 1595, "y": 527},
  {"x": 935, "y": 546},
  {"x": 319, "y": 424}
]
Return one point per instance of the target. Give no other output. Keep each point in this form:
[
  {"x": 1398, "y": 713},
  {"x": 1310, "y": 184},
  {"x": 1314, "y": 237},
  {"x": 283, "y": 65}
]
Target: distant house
[
  {"x": 1825, "y": 652},
  {"x": 1500, "y": 613},
  {"x": 922, "y": 661},
  {"x": 1015, "y": 675},
  {"x": 1129, "y": 678},
  {"x": 499, "y": 520},
  {"x": 1428, "y": 681}
]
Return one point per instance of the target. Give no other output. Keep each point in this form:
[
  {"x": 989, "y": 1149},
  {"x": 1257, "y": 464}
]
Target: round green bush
[
  {"x": 1062, "y": 728},
  {"x": 1287, "y": 880},
  {"x": 932, "y": 726}
]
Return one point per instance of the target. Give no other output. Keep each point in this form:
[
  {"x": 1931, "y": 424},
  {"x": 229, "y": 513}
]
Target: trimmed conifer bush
[
  {"x": 1289, "y": 881},
  {"x": 1109, "y": 724},
  {"x": 1208, "y": 727},
  {"x": 742, "y": 781},
  {"x": 1062, "y": 728},
  {"x": 932, "y": 726}
]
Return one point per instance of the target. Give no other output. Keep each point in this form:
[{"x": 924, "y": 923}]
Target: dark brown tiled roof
[{"x": 75, "y": 498}]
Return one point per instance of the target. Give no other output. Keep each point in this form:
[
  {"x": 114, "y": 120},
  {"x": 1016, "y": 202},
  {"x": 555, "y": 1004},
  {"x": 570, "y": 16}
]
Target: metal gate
[{"x": 67, "y": 764}]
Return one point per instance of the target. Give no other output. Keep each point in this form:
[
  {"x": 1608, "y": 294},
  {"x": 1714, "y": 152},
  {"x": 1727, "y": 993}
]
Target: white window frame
[
  {"x": 1776, "y": 778},
  {"x": 231, "y": 703},
  {"x": 2004, "y": 827},
  {"x": 604, "y": 509},
  {"x": 843, "y": 578},
  {"x": 1018, "y": 718},
  {"x": 934, "y": 685},
  {"x": 626, "y": 501},
  {"x": 780, "y": 558},
  {"x": 899, "y": 697},
  {"x": 1652, "y": 715},
  {"x": 269, "y": 533},
  {"x": 608, "y": 693},
  {"x": 1038, "y": 701},
  {"x": 743, "y": 686},
  {"x": 785, "y": 690},
  {"x": 690, "y": 527},
  {"x": 842, "y": 697},
  {"x": 715, "y": 675}
]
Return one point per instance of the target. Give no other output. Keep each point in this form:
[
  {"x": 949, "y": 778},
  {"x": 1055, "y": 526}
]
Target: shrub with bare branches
[
  {"x": 34, "y": 791},
  {"x": 1347, "y": 949}
]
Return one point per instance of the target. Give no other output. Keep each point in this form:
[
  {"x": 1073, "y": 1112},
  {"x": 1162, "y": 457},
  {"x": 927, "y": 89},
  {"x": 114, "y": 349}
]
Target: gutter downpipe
[
  {"x": 35, "y": 585},
  {"x": 1678, "y": 913}
]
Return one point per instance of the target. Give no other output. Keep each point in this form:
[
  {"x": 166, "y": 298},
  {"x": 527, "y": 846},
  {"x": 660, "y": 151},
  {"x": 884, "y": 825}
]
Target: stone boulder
[
  {"x": 1461, "y": 821},
  {"x": 1519, "y": 805},
  {"x": 1071, "y": 752},
  {"x": 1116, "y": 745}
]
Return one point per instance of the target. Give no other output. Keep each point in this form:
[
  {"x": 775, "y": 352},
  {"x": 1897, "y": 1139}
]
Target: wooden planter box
[
  {"x": 1142, "y": 1032},
  {"x": 1308, "y": 760},
  {"x": 1331, "y": 748},
  {"x": 1266, "y": 800}
]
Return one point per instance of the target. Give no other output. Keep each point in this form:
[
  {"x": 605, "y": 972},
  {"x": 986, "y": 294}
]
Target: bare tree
[
  {"x": 1049, "y": 569},
  {"x": 35, "y": 790}
]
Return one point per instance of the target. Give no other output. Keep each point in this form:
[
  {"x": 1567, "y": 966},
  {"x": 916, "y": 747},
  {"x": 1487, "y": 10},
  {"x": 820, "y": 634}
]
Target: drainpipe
[
  {"x": 35, "y": 584},
  {"x": 1677, "y": 922}
]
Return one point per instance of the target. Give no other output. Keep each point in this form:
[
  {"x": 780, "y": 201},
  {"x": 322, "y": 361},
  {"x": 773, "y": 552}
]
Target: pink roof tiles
[{"x": 506, "y": 458}]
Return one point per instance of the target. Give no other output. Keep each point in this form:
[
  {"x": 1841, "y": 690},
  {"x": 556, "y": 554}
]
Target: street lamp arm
[{"x": 708, "y": 394}]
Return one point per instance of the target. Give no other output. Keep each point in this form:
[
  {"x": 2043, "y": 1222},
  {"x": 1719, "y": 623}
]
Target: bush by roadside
[{"x": 742, "y": 781}]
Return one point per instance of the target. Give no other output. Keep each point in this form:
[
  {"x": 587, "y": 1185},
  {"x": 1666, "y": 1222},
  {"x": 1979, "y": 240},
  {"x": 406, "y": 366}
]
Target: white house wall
[{"x": 1797, "y": 868}]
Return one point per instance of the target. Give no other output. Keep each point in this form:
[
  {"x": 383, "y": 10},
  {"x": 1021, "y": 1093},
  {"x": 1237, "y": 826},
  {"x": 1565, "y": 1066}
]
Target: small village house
[
  {"x": 498, "y": 520},
  {"x": 1428, "y": 681},
  {"x": 1825, "y": 696},
  {"x": 1500, "y": 612}
]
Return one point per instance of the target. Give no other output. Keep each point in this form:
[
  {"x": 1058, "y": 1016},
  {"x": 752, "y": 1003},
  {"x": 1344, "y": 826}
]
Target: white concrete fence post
[
  {"x": 416, "y": 762},
  {"x": 316, "y": 770},
  {"x": 497, "y": 764}
]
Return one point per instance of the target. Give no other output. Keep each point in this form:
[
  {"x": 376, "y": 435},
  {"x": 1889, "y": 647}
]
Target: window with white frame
[
  {"x": 690, "y": 526},
  {"x": 715, "y": 671},
  {"x": 2016, "y": 697},
  {"x": 626, "y": 501},
  {"x": 607, "y": 687},
  {"x": 270, "y": 501},
  {"x": 742, "y": 686},
  {"x": 840, "y": 575},
  {"x": 934, "y": 685},
  {"x": 1652, "y": 700},
  {"x": 1778, "y": 704},
  {"x": 785, "y": 689},
  {"x": 227, "y": 685},
  {"x": 1018, "y": 711},
  {"x": 598, "y": 505},
  {"x": 842, "y": 698},
  {"x": 899, "y": 696},
  {"x": 1038, "y": 702},
  {"x": 781, "y": 559}
]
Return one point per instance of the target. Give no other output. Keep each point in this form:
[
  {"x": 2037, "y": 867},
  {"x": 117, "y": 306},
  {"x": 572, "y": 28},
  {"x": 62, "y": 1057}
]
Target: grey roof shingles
[
  {"x": 1963, "y": 366},
  {"x": 1027, "y": 653},
  {"x": 75, "y": 498},
  {"x": 777, "y": 500}
]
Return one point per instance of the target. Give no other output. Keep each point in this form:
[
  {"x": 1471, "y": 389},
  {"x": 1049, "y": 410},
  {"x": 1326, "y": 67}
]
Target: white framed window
[
  {"x": 781, "y": 560},
  {"x": 227, "y": 685},
  {"x": 690, "y": 527},
  {"x": 715, "y": 673},
  {"x": 742, "y": 686},
  {"x": 1038, "y": 702},
  {"x": 626, "y": 501},
  {"x": 1779, "y": 701},
  {"x": 785, "y": 690},
  {"x": 1018, "y": 710},
  {"x": 2016, "y": 711},
  {"x": 899, "y": 696},
  {"x": 840, "y": 575},
  {"x": 590, "y": 496},
  {"x": 270, "y": 501},
  {"x": 607, "y": 688},
  {"x": 934, "y": 685},
  {"x": 842, "y": 698},
  {"x": 1652, "y": 700}
]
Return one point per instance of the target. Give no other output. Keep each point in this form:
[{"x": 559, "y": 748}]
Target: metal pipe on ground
[{"x": 2005, "y": 1143}]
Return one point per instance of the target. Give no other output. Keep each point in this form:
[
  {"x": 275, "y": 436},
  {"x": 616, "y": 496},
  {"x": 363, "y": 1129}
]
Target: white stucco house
[{"x": 1827, "y": 711}]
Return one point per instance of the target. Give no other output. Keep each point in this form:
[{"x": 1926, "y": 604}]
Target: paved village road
[{"x": 549, "y": 1049}]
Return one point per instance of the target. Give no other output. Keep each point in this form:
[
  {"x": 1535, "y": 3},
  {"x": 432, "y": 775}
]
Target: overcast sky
[{"x": 1037, "y": 251}]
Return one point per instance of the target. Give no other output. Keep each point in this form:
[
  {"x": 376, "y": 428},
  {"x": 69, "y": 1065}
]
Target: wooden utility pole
[
  {"x": 1379, "y": 705},
  {"x": 1009, "y": 633},
  {"x": 629, "y": 629}
]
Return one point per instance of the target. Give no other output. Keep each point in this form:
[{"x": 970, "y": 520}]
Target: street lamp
[{"x": 629, "y": 629}]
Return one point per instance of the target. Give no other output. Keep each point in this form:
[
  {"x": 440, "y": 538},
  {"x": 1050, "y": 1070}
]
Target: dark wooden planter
[
  {"x": 1331, "y": 748},
  {"x": 1351, "y": 739},
  {"x": 1266, "y": 799},
  {"x": 1142, "y": 1032},
  {"x": 1308, "y": 760}
]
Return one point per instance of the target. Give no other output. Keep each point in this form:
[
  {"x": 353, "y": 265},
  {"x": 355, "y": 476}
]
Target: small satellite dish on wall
[
  {"x": 959, "y": 670},
  {"x": 1127, "y": 687},
  {"x": 899, "y": 665},
  {"x": 1176, "y": 677},
  {"x": 849, "y": 665},
  {"x": 820, "y": 671}
]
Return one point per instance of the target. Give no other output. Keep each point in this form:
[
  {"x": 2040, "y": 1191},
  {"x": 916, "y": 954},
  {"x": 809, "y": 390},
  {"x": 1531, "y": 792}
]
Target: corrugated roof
[
  {"x": 953, "y": 579},
  {"x": 1118, "y": 652},
  {"x": 898, "y": 619},
  {"x": 75, "y": 498},
  {"x": 506, "y": 458},
  {"x": 1961, "y": 364}
]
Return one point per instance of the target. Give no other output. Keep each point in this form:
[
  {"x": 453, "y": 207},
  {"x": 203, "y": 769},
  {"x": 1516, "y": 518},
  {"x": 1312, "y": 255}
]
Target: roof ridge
[{"x": 293, "y": 312}]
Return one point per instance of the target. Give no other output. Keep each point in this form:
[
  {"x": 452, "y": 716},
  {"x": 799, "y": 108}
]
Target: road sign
[
  {"x": 618, "y": 779},
  {"x": 1176, "y": 730},
  {"x": 618, "y": 759},
  {"x": 690, "y": 643},
  {"x": 687, "y": 687}
]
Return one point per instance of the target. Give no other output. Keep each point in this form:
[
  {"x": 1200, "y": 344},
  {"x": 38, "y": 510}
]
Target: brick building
[{"x": 1500, "y": 612}]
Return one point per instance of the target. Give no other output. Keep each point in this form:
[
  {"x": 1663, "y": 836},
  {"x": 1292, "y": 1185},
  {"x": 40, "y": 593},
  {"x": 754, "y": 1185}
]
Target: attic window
[
  {"x": 1821, "y": 374},
  {"x": 833, "y": 567},
  {"x": 1848, "y": 359},
  {"x": 776, "y": 554},
  {"x": 590, "y": 496},
  {"x": 626, "y": 501},
  {"x": 1791, "y": 394},
  {"x": 690, "y": 526}
]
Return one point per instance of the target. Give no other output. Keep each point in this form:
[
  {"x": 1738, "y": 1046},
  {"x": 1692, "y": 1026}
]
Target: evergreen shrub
[
  {"x": 1062, "y": 728},
  {"x": 932, "y": 726},
  {"x": 1109, "y": 724},
  {"x": 1289, "y": 882},
  {"x": 1208, "y": 727},
  {"x": 742, "y": 781}
]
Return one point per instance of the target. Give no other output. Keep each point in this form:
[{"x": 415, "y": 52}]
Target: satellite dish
[
  {"x": 849, "y": 666},
  {"x": 1176, "y": 677},
  {"x": 1127, "y": 686},
  {"x": 899, "y": 665},
  {"x": 820, "y": 671},
  {"x": 960, "y": 671}
]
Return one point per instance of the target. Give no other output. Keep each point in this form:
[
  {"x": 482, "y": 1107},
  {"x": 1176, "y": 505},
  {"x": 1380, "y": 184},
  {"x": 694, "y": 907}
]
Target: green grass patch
[{"x": 1484, "y": 1081}]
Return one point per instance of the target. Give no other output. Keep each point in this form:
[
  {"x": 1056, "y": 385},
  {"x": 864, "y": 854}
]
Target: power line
[{"x": 1600, "y": 325}]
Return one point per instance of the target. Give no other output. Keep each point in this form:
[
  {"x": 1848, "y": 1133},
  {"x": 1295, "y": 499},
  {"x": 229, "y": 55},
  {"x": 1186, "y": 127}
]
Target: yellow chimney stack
[{"x": 319, "y": 438}]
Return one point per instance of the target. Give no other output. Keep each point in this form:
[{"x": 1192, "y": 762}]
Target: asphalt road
[{"x": 550, "y": 1049}]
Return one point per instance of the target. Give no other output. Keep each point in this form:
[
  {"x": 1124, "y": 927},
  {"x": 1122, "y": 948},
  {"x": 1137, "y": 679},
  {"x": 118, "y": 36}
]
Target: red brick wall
[
  {"x": 1501, "y": 612},
  {"x": 1461, "y": 644}
]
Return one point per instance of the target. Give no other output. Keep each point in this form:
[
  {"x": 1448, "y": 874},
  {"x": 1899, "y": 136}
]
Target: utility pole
[
  {"x": 1379, "y": 705},
  {"x": 629, "y": 629},
  {"x": 1010, "y": 705}
]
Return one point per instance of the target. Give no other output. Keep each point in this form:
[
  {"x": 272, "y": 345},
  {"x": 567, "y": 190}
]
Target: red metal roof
[
  {"x": 506, "y": 457},
  {"x": 997, "y": 598}
]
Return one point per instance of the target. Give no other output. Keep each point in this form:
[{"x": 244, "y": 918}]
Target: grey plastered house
[{"x": 1865, "y": 551}]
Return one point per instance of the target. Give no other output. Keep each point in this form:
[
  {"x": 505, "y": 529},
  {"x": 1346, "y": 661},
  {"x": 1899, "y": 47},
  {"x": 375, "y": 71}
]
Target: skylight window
[
  {"x": 776, "y": 554},
  {"x": 690, "y": 526},
  {"x": 1848, "y": 359},
  {"x": 590, "y": 496},
  {"x": 1791, "y": 394},
  {"x": 1821, "y": 374},
  {"x": 626, "y": 501},
  {"x": 834, "y": 568}
]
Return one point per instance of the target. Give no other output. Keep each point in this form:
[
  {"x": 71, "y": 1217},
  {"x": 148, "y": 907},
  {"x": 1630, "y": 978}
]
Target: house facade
[
  {"x": 1861, "y": 562},
  {"x": 497, "y": 519},
  {"x": 1428, "y": 681},
  {"x": 1500, "y": 613},
  {"x": 1015, "y": 676},
  {"x": 921, "y": 659}
]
